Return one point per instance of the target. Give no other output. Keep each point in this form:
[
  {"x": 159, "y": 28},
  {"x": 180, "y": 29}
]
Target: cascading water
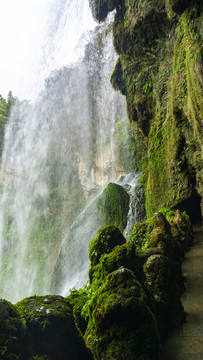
[
  {"x": 69, "y": 273},
  {"x": 58, "y": 150},
  {"x": 136, "y": 211}
]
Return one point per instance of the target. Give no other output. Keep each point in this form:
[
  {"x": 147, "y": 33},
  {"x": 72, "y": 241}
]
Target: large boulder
[
  {"x": 52, "y": 330},
  {"x": 121, "y": 325},
  {"x": 107, "y": 238},
  {"x": 12, "y": 333}
]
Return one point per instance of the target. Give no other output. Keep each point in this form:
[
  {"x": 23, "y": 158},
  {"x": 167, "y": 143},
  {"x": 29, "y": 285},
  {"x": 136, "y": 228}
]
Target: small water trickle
[{"x": 130, "y": 183}]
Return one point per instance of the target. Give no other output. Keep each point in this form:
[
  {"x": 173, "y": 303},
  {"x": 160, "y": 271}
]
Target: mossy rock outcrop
[
  {"x": 133, "y": 299},
  {"x": 51, "y": 328},
  {"x": 113, "y": 206},
  {"x": 162, "y": 243},
  {"x": 121, "y": 325},
  {"x": 13, "y": 333},
  {"x": 106, "y": 240}
]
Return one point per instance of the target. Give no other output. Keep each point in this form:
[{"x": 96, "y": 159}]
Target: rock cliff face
[{"x": 159, "y": 71}]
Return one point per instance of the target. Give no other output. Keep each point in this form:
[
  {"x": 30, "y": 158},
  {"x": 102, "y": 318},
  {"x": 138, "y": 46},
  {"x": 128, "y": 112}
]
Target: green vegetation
[
  {"x": 120, "y": 323},
  {"x": 159, "y": 70},
  {"x": 12, "y": 332},
  {"x": 131, "y": 145},
  {"x": 51, "y": 330},
  {"x": 134, "y": 294},
  {"x": 131, "y": 303},
  {"x": 5, "y": 109},
  {"x": 113, "y": 206},
  {"x": 108, "y": 237}
]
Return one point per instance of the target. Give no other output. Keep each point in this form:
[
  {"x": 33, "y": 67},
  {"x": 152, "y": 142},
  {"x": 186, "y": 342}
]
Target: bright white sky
[
  {"x": 19, "y": 41},
  {"x": 29, "y": 47}
]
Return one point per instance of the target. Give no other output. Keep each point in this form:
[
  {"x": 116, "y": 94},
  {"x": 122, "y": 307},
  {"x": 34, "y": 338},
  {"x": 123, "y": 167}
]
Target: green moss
[
  {"x": 108, "y": 237},
  {"x": 117, "y": 79},
  {"x": 171, "y": 175},
  {"x": 131, "y": 145},
  {"x": 13, "y": 333},
  {"x": 181, "y": 230},
  {"x": 154, "y": 233},
  {"x": 52, "y": 329},
  {"x": 5, "y": 109},
  {"x": 113, "y": 206},
  {"x": 77, "y": 299},
  {"x": 120, "y": 323},
  {"x": 121, "y": 255}
]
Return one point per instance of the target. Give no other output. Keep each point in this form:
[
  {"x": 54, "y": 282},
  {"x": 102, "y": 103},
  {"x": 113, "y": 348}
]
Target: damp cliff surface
[{"x": 160, "y": 71}]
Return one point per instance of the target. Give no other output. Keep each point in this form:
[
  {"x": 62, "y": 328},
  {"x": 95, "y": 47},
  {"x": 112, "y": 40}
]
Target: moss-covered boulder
[
  {"x": 113, "y": 206},
  {"x": 77, "y": 299},
  {"x": 165, "y": 283},
  {"x": 121, "y": 325},
  {"x": 108, "y": 237},
  {"x": 121, "y": 255},
  {"x": 161, "y": 244},
  {"x": 52, "y": 330},
  {"x": 154, "y": 233},
  {"x": 181, "y": 230},
  {"x": 13, "y": 333}
]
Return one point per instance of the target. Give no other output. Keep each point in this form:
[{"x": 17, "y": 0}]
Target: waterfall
[
  {"x": 69, "y": 273},
  {"x": 59, "y": 149}
]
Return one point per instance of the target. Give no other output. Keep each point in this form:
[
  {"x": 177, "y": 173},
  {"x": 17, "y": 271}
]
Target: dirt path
[{"x": 186, "y": 343}]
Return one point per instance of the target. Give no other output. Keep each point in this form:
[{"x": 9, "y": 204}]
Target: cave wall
[{"x": 159, "y": 70}]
